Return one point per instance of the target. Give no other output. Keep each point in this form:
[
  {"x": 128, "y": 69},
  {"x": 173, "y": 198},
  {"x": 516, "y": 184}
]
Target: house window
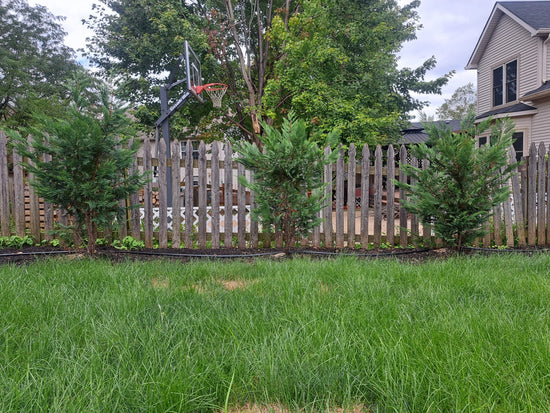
[
  {"x": 194, "y": 144},
  {"x": 505, "y": 83},
  {"x": 482, "y": 140},
  {"x": 518, "y": 145}
]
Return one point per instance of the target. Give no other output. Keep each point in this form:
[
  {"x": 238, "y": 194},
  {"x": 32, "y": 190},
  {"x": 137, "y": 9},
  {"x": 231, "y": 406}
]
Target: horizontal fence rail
[{"x": 209, "y": 208}]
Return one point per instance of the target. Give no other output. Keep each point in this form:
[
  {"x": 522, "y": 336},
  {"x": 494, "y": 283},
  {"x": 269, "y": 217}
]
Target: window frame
[{"x": 504, "y": 78}]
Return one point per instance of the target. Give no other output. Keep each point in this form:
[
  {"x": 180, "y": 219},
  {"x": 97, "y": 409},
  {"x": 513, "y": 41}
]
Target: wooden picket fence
[{"x": 365, "y": 211}]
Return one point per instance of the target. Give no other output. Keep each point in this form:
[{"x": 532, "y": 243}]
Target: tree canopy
[
  {"x": 460, "y": 104},
  {"x": 333, "y": 63},
  {"x": 34, "y": 62}
]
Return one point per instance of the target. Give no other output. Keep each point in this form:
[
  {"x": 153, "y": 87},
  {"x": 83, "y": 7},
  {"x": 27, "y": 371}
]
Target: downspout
[{"x": 545, "y": 60}]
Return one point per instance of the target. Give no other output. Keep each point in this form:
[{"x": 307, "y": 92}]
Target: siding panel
[{"x": 509, "y": 41}]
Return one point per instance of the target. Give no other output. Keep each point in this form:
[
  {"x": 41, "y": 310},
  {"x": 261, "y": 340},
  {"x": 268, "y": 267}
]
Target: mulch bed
[{"x": 10, "y": 255}]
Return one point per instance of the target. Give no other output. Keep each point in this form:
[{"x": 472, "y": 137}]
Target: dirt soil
[{"x": 10, "y": 255}]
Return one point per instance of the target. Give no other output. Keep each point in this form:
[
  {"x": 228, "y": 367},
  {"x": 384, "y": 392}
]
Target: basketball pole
[{"x": 165, "y": 126}]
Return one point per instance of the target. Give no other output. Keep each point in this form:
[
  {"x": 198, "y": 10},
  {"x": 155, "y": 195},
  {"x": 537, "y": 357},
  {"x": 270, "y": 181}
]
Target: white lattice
[{"x": 156, "y": 214}]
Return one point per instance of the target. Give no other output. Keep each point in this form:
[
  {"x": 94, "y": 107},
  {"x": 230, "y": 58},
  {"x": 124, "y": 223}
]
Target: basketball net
[{"x": 215, "y": 91}]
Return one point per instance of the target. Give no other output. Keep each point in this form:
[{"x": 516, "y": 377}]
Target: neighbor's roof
[
  {"x": 416, "y": 133},
  {"x": 534, "y": 16}
]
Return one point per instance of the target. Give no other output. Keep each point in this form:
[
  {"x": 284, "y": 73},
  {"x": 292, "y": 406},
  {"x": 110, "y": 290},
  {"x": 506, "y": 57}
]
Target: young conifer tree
[
  {"x": 462, "y": 182},
  {"x": 288, "y": 178},
  {"x": 89, "y": 153}
]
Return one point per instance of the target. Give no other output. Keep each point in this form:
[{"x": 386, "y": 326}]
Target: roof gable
[{"x": 533, "y": 16}]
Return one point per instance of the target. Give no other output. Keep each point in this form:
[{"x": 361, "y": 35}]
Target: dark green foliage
[
  {"x": 288, "y": 182},
  {"x": 87, "y": 174},
  {"x": 34, "y": 62},
  {"x": 461, "y": 184},
  {"x": 334, "y": 63}
]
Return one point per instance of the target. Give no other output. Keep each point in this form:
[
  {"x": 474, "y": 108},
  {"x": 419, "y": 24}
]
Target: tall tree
[
  {"x": 334, "y": 63},
  {"x": 461, "y": 103},
  {"x": 338, "y": 68},
  {"x": 34, "y": 62}
]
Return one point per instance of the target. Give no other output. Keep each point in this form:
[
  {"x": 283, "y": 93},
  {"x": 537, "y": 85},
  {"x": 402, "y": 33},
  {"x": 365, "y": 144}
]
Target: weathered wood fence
[{"x": 365, "y": 210}]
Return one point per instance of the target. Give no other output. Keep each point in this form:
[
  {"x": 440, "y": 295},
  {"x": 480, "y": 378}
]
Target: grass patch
[{"x": 468, "y": 334}]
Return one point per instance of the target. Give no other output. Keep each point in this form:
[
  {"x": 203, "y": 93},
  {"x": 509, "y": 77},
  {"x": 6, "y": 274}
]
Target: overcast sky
[{"x": 450, "y": 31}]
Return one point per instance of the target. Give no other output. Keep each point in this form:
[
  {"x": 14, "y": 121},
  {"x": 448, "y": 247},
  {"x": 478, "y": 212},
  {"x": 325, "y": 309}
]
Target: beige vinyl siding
[
  {"x": 541, "y": 123},
  {"x": 509, "y": 41}
]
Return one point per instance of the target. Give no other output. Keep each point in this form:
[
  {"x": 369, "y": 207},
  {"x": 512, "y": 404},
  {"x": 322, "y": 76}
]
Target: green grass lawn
[{"x": 467, "y": 334}]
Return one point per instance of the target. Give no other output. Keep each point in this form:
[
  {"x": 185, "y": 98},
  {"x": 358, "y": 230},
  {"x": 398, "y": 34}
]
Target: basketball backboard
[{"x": 193, "y": 68}]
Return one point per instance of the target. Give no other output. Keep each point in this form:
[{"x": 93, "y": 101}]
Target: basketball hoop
[{"x": 215, "y": 91}]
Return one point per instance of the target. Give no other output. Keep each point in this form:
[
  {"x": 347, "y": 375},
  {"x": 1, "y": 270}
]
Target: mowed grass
[{"x": 463, "y": 335}]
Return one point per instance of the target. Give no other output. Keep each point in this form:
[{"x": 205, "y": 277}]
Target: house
[
  {"x": 512, "y": 59},
  {"x": 415, "y": 132}
]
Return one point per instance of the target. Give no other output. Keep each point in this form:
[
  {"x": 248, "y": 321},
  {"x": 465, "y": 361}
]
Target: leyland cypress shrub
[
  {"x": 288, "y": 178},
  {"x": 87, "y": 170},
  {"x": 462, "y": 183}
]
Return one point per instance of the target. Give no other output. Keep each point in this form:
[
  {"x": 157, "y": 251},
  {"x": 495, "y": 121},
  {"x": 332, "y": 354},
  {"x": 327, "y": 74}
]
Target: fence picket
[
  {"x": 135, "y": 220},
  {"x": 508, "y": 218},
  {"x": 163, "y": 196},
  {"x": 34, "y": 205},
  {"x": 327, "y": 211},
  {"x": 228, "y": 196},
  {"x": 518, "y": 202},
  {"x": 176, "y": 195},
  {"x": 351, "y": 196},
  {"x": 48, "y": 211},
  {"x": 541, "y": 195},
  {"x": 254, "y": 230},
  {"x": 4, "y": 193},
  {"x": 19, "y": 194},
  {"x": 340, "y": 200},
  {"x": 188, "y": 196},
  {"x": 241, "y": 206},
  {"x": 403, "y": 214},
  {"x": 202, "y": 196},
  {"x": 390, "y": 197},
  {"x": 215, "y": 191},
  {"x": 148, "y": 198},
  {"x": 365, "y": 195},
  {"x": 378, "y": 197},
  {"x": 532, "y": 196}
]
